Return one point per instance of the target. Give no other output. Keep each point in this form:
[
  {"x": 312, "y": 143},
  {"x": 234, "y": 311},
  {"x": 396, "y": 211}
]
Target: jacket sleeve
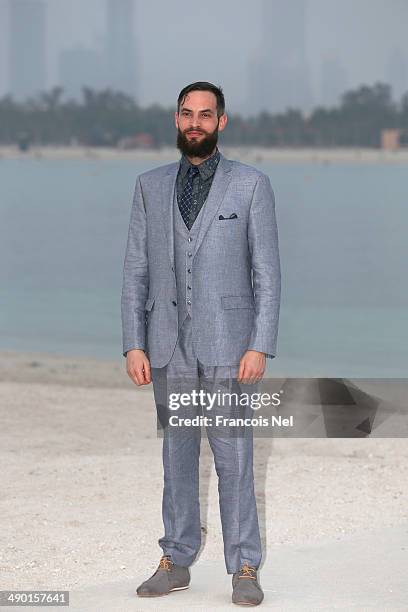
[
  {"x": 265, "y": 262},
  {"x": 135, "y": 286}
]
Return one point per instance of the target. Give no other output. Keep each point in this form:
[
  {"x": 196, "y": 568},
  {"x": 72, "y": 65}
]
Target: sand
[{"x": 82, "y": 478}]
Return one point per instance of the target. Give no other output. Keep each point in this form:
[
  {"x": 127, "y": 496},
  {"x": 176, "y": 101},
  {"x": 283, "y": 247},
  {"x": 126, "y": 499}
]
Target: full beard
[{"x": 197, "y": 148}]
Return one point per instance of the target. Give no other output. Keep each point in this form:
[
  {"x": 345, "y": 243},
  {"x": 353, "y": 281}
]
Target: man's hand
[
  {"x": 138, "y": 367},
  {"x": 251, "y": 367}
]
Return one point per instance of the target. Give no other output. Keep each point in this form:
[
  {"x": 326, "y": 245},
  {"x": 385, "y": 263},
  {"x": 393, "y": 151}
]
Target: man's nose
[{"x": 195, "y": 122}]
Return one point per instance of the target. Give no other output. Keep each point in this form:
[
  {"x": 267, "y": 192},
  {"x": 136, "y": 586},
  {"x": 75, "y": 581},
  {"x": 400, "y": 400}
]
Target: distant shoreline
[{"x": 248, "y": 154}]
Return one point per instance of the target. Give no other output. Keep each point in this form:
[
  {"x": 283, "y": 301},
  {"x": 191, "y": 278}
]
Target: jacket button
[
  {"x": 190, "y": 254},
  {"x": 174, "y": 303},
  {"x": 188, "y": 287},
  {"x": 189, "y": 302},
  {"x": 189, "y": 270},
  {"x": 189, "y": 239}
]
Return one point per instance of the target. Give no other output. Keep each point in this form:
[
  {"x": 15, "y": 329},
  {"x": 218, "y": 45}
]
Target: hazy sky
[{"x": 179, "y": 42}]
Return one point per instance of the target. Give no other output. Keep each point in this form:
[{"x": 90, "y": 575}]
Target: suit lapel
[
  {"x": 221, "y": 179},
  {"x": 168, "y": 186}
]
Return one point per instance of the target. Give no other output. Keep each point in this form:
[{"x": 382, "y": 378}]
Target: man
[{"x": 200, "y": 309}]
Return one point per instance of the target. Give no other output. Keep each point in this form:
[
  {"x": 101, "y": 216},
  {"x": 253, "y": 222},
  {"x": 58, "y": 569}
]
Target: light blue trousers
[{"x": 232, "y": 448}]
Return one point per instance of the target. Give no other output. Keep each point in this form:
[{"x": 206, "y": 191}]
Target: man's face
[{"x": 198, "y": 125}]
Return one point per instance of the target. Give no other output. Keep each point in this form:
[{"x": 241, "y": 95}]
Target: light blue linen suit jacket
[{"x": 236, "y": 280}]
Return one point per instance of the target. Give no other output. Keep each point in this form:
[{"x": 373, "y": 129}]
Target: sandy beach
[
  {"x": 81, "y": 494},
  {"x": 249, "y": 154}
]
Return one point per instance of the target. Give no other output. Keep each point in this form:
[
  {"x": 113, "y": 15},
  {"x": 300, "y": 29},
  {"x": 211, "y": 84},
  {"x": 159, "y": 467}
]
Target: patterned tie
[{"x": 186, "y": 199}]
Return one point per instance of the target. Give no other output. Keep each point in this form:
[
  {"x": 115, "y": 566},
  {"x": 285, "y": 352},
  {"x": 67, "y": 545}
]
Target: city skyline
[
  {"x": 112, "y": 64},
  {"x": 312, "y": 52}
]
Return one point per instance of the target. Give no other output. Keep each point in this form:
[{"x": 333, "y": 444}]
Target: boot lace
[
  {"x": 165, "y": 563},
  {"x": 247, "y": 571}
]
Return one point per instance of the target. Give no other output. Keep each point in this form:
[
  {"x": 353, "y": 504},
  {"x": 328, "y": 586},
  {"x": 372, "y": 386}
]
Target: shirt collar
[{"x": 206, "y": 168}]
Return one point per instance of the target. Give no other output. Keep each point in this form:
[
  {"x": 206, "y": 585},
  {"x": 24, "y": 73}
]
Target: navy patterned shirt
[{"x": 201, "y": 183}]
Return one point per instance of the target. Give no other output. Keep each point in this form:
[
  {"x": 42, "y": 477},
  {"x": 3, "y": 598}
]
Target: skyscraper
[
  {"x": 27, "y": 44},
  {"x": 120, "y": 47},
  {"x": 279, "y": 75}
]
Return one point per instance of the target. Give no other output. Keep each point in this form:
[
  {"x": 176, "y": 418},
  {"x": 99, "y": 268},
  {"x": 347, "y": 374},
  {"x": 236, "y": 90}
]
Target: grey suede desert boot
[
  {"x": 245, "y": 588},
  {"x": 167, "y": 578}
]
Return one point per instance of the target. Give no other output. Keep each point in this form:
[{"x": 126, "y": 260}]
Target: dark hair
[{"x": 203, "y": 86}]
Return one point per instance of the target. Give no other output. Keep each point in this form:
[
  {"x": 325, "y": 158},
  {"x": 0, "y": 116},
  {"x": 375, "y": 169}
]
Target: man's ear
[
  {"x": 176, "y": 118},
  {"x": 222, "y": 122}
]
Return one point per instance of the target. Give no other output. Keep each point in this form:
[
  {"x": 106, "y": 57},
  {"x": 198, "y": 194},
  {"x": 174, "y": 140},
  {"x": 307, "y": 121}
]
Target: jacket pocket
[
  {"x": 149, "y": 303},
  {"x": 237, "y": 301}
]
